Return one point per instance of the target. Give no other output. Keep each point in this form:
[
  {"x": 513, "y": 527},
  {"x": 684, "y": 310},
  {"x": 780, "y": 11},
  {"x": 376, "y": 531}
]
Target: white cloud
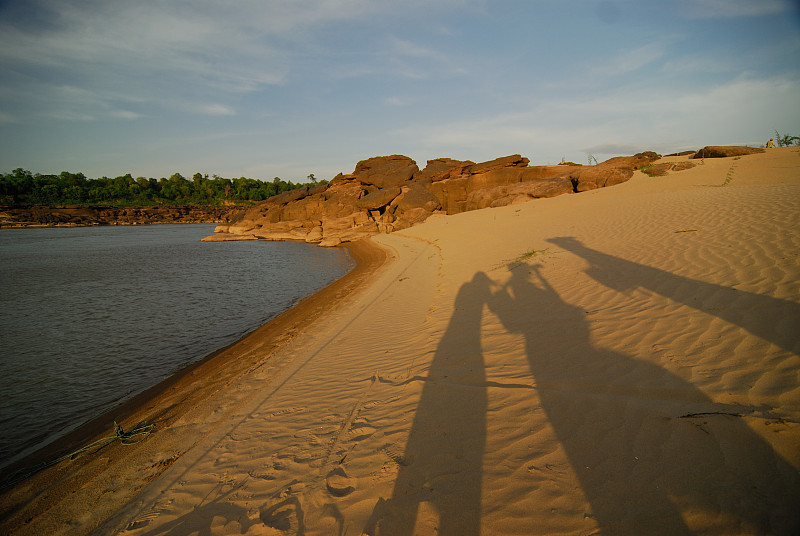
[
  {"x": 624, "y": 122},
  {"x": 215, "y": 109},
  {"x": 68, "y": 115},
  {"x": 195, "y": 49}
]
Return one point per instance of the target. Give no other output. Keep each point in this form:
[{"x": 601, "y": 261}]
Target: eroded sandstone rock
[
  {"x": 378, "y": 198},
  {"x": 443, "y": 168},
  {"x": 724, "y": 151},
  {"x": 386, "y": 171},
  {"x": 390, "y": 193}
]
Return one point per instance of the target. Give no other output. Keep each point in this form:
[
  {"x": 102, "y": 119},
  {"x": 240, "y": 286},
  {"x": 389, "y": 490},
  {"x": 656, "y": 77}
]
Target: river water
[{"x": 91, "y": 316}]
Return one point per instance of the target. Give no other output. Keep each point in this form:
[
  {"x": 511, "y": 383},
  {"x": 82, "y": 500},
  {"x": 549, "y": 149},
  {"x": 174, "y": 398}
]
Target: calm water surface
[{"x": 91, "y": 316}]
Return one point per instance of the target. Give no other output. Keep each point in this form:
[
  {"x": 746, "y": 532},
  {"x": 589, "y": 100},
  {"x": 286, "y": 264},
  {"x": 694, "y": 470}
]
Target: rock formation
[
  {"x": 389, "y": 193},
  {"x": 659, "y": 170},
  {"x": 724, "y": 151},
  {"x": 70, "y": 216}
]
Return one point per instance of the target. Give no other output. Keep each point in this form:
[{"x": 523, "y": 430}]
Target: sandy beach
[{"x": 621, "y": 361}]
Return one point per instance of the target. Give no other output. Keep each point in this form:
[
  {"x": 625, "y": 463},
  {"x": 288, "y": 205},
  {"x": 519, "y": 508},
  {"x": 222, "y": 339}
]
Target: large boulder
[
  {"x": 724, "y": 151},
  {"x": 451, "y": 194},
  {"x": 499, "y": 196},
  {"x": 631, "y": 163},
  {"x": 613, "y": 171},
  {"x": 537, "y": 173},
  {"x": 443, "y": 168},
  {"x": 306, "y": 208},
  {"x": 454, "y": 193},
  {"x": 386, "y": 171},
  {"x": 411, "y": 217},
  {"x": 513, "y": 160},
  {"x": 418, "y": 197},
  {"x": 378, "y": 198},
  {"x": 293, "y": 195},
  {"x": 341, "y": 199},
  {"x": 593, "y": 177},
  {"x": 348, "y": 229},
  {"x": 494, "y": 177},
  {"x": 659, "y": 170}
]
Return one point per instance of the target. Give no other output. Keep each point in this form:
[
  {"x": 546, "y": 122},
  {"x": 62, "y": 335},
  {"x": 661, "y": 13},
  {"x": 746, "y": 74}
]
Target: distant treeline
[{"x": 23, "y": 187}]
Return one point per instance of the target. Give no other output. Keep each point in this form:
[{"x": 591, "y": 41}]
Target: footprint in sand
[
  {"x": 360, "y": 431},
  {"x": 338, "y": 483}
]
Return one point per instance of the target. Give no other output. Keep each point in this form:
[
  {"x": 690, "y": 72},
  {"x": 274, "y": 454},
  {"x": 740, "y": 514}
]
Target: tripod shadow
[
  {"x": 643, "y": 468},
  {"x": 440, "y": 469}
]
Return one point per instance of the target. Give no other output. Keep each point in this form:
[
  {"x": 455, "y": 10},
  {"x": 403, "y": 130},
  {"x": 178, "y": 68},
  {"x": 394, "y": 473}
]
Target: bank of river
[{"x": 91, "y": 316}]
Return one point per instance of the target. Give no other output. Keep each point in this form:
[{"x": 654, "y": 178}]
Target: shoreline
[
  {"x": 68, "y": 216},
  {"x": 467, "y": 386},
  {"x": 168, "y": 401}
]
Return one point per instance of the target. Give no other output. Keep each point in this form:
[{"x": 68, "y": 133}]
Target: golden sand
[{"x": 620, "y": 361}]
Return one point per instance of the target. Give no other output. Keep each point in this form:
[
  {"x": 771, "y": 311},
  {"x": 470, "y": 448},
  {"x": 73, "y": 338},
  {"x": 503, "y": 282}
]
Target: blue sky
[{"x": 287, "y": 88}]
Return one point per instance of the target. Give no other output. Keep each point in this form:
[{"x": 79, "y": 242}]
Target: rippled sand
[{"x": 621, "y": 361}]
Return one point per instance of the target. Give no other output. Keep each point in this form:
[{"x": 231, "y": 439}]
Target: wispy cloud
[
  {"x": 70, "y": 103},
  {"x": 395, "y": 101},
  {"x": 125, "y": 114},
  {"x": 193, "y": 49},
  {"x": 214, "y": 109},
  {"x": 469, "y": 79},
  {"x": 624, "y": 122},
  {"x": 635, "y": 59}
]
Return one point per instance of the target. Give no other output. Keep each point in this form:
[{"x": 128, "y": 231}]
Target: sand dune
[{"x": 620, "y": 361}]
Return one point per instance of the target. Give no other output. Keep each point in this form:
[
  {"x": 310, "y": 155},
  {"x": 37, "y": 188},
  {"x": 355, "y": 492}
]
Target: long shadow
[
  {"x": 744, "y": 309},
  {"x": 653, "y": 454},
  {"x": 200, "y": 520},
  {"x": 443, "y": 458}
]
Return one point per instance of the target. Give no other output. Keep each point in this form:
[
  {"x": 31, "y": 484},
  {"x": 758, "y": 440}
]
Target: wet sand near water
[{"x": 112, "y": 476}]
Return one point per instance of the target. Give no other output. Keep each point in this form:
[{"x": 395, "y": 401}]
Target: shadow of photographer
[
  {"x": 440, "y": 470},
  {"x": 653, "y": 454}
]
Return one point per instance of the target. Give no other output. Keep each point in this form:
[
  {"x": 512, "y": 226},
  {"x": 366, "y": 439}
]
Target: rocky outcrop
[
  {"x": 659, "y": 170},
  {"x": 385, "y": 171},
  {"x": 613, "y": 171},
  {"x": 80, "y": 215},
  {"x": 390, "y": 193},
  {"x": 443, "y": 168},
  {"x": 379, "y": 198},
  {"x": 724, "y": 151}
]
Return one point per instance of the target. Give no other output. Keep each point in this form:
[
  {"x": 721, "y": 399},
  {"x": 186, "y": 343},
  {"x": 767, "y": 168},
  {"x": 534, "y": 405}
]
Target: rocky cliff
[
  {"x": 389, "y": 193},
  {"x": 67, "y": 216}
]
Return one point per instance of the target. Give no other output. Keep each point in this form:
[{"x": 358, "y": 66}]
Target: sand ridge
[{"x": 620, "y": 361}]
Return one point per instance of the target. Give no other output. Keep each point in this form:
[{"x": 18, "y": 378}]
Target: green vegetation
[
  {"x": 786, "y": 140},
  {"x": 729, "y": 176},
  {"x": 23, "y": 187},
  {"x": 656, "y": 170},
  {"x": 524, "y": 258}
]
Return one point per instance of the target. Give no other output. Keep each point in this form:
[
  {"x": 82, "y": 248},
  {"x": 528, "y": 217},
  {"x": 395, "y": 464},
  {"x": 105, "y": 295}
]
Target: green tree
[{"x": 786, "y": 140}]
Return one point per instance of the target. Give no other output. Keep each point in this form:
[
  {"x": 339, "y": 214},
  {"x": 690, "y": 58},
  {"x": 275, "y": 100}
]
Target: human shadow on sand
[
  {"x": 744, "y": 309},
  {"x": 443, "y": 457},
  {"x": 653, "y": 454}
]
